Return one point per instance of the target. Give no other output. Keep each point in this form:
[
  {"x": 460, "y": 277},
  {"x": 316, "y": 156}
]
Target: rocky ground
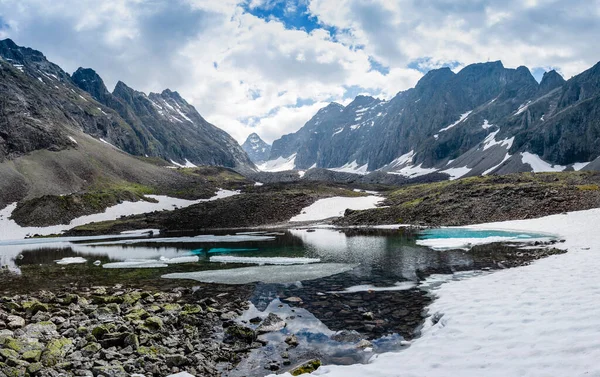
[
  {"x": 117, "y": 331},
  {"x": 257, "y": 206},
  {"x": 484, "y": 199}
]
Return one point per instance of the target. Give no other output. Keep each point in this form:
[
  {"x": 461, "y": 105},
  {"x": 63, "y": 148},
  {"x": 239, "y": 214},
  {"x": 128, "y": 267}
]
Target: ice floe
[
  {"x": 263, "y": 260},
  {"x": 400, "y": 286},
  {"x": 265, "y": 274},
  {"x": 71, "y": 260}
]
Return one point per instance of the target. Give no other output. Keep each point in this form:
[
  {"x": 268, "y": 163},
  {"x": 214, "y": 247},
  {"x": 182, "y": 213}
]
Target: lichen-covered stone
[
  {"x": 154, "y": 323},
  {"x": 307, "y": 367},
  {"x": 55, "y": 351}
]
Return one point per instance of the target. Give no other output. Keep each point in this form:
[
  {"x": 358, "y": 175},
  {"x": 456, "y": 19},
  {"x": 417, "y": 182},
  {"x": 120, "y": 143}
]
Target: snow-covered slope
[{"x": 539, "y": 320}]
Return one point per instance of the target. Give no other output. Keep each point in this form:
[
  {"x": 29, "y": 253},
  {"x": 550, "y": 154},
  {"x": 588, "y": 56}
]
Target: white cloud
[{"x": 247, "y": 74}]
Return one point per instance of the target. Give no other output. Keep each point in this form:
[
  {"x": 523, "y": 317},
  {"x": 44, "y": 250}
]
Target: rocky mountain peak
[
  {"x": 88, "y": 80},
  {"x": 550, "y": 81},
  {"x": 31, "y": 61},
  {"x": 435, "y": 77},
  {"x": 256, "y": 148}
]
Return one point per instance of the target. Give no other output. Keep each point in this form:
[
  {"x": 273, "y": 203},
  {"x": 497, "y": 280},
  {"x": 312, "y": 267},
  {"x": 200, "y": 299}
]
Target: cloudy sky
[{"x": 267, "y": 66}]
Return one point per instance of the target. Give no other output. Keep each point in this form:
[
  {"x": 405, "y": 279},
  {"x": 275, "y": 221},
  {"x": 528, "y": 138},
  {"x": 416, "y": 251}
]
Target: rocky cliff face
[
  {"x": 484, "y": 119},
  {"x": 256, "y": 148},
  {"x": 166, "y": 125},
  {"x": 41, "y": 104}
]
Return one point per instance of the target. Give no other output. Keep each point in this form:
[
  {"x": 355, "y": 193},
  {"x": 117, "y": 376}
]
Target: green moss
[
  {"x": 154, "y": 323},
  {"x": 189, "y": 309},
  {"x": 99, "y": 331},
  {"x": 171, "y": 307},
  {"x": 34, "y": 306},
  {"x": 33, "y": 368},
  {"x": 588, "y": 187},
  {"x": 137, "y": 314},
  {"x": 32, "y": 356},
  {"x": 132, "y": 298},
  {"x": 56, "y": 350},
  {"x": 91, "y": 349},
  {"x": 308, "y": 367},
  {"x": 8, "y": 353}
]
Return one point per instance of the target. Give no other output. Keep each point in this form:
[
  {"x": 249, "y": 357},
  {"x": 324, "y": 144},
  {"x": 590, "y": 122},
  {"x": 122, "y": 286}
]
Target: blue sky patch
[
  {"x": 426, "y": 64},
  {"x": 377, "y": 66}
]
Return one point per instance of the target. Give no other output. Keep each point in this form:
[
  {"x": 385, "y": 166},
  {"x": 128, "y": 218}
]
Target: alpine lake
[{"x": 345, "y": 294}]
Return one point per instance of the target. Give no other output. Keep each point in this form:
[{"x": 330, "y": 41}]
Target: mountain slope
[
  {"x": 484, "y": 119},
  {"x": 166, "y": 125},
  {"x": 55, "y": 139},
  {"x": 256, "y": 148}
]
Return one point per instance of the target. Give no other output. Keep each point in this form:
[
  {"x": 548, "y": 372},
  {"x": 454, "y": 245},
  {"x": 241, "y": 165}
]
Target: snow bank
[
  {"x": 538, "y": 165},
  {"x": 10, "y": 230},
  {"x": 335, "y": 207},
  {"x": 263, "y": 260},
  {"x": 456, "y": 173},
  {"x": 538, "y": 320}
]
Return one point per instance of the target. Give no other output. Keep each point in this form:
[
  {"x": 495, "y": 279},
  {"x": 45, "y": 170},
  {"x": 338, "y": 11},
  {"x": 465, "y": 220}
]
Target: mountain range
[
  {"x": 484, "y": 119},
  {"x": 60, "y": 133}
]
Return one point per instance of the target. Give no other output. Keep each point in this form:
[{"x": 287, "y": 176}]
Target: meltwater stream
[{"x": 332, "y": 287}]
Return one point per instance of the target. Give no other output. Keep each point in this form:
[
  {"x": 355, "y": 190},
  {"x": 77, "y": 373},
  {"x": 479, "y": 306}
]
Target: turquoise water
[{"x": 446, "y": 233}]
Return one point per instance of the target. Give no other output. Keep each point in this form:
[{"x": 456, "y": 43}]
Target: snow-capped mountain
[
  {"x": 256, "y": 148},
  {"x": 484, "y": 119}
]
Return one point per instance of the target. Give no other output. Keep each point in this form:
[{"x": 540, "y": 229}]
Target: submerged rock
[{"x": 272, "y": 323}]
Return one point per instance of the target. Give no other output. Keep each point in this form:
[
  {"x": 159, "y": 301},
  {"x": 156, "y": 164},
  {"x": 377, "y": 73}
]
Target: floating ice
[
  {"x": 263, "y": 260},
  {"x": 71, "y": 260},
  {"x": 400, "y": 286},
  {"x": 265, "y": 274}
]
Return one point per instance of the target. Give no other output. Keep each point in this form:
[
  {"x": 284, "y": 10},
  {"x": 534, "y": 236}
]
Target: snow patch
[
  {"x": 490, "y": 141},
  {"x": 486, "y": 124},
  {"x": 72, "y": 139},
  {"x": 335, "y": 207},
  {"x": 456, "y": 173},
  {"x": 10, "y": 230},
  {"x": 352, "y": 167},
  {"x": 279, "y": 164},
  {"x": 461, "y": 119},
  {"x": 71, "y": 260},
  {"x": 400, "y": 286},
  {"x": 538, "y": 165}
]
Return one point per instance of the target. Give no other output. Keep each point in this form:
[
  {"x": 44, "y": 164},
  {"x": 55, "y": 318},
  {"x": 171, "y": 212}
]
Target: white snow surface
[
  {"x": 187, "y": 164},
  {"x": 536, "y": 321},
  {"x": 335, "y": 207},
  {"x": 279, "y": 164},
  {"x": 10, "y": 230},
  {"x": 352, "y": 167},
  {"x": 456, "y": 173},
  {"x": 461, "y": 119},
  {"x": 263, "y": 260},
  {"x": 467, "y": 243},
  {"x": 490, "y": 141},
  {"x": 414, "y": 171},
  {"x": 538, "y": 165}
]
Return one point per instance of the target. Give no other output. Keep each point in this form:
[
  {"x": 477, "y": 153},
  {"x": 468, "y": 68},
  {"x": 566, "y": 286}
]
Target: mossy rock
[
  {"x": 32, "y": 356},
  {"x": 33, "y": 368},
  {"x": 99, "y": 331},
  {"x": 56, "y": 350},
  {"x": 9, "y": 371},
  {"x": 132, "y": 340},
  {"x": 171, "y": 307},
  {"x": 131, "y": 298},
  {"x": 192, "y": 309},
  {"x": 152, "y": 350},
  {"x": 14, "y": 362},
  {"x": 237, "y": 332},
  {"x": 153, "y": 323},
  {"x": 137, "y": 314},
  {"x": 22, "y": 346},
  {"x": 7, "y": 353},
  {"x": 307, "y": 367},
  {"x": 91, "y": 349},
  {"x": 33, "y": 307},
  {"x": 71, "y": 298}
]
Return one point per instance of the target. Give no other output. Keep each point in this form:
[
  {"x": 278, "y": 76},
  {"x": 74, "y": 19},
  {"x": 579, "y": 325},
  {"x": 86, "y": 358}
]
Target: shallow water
[{"x": 350, "y": 272}]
